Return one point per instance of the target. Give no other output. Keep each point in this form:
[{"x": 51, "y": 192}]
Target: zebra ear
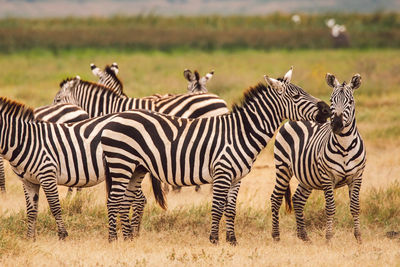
[
  {"x": 274, "y": 84},
  {"x": 331, "y": 80},
  {"x": 288, "y": 76},
  {"x": 95, "y": 70},
  {"x": 206, "y": 78},
  {"x": 188, "y": 75},
  {"x": 115, "y": 68},
  {"x": 355, "y": 81}
]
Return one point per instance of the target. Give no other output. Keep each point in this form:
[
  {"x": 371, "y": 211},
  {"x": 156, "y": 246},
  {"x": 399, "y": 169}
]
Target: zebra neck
[
  {"x": 253, "y": 125},
  {"x": 15, "y": 135},
  {"x": 345, "y": 140}
]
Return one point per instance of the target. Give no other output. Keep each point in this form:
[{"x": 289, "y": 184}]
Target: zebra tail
[
  {"x": 288, "y": 200},
  {"x": 158, "y": 192}
]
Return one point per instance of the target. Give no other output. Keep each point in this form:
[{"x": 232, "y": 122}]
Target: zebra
[
  {"x": 98, "y": 100},
  {"x": 46, "y": 154},
  {"x": 323, "y": 157},
  {"x": 60, "y": 113},
  {"x": 218, "y": 150},
  {"x": 109, "y": 78},
  {"x": 195, "y": 83}
]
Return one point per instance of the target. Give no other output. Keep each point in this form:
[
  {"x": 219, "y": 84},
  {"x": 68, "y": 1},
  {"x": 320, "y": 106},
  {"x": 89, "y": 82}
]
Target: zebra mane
[
  {"x": 249, "y": 95},
  {"x": 96, "y": 86},
  {"x": 26, "y": 112},
  {"x": 65, "y": 81}
]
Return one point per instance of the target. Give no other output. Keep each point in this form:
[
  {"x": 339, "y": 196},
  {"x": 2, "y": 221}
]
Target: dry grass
[{"x": 179, "y": 236}]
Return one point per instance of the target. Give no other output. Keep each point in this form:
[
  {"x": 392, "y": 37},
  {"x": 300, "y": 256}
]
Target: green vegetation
[
  {"x": 208, "y": 32},
  {"x": 33, "y": 76}
]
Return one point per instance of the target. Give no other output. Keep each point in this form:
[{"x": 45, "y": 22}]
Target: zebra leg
[
  {"x": 50, "y": 189},
  {"x": 230, "y": 213},
  {"x": 70, "y": 191},
  {"x": 283, "y": 176},
  {"x": 128, "y": 200},
  {"x": 31, "y": 192},
  {"x": 330, "y": 210},
  {"x": 220, "y": 188},
  {"x": 166, "y": 187},
  {"x": 354, "y": 191},
  {"x": 2, "y": 176},
  {"x": 138, "y": 209},
  {"x": 118, "y": 183},
  {"x": 299, "y": 200}
]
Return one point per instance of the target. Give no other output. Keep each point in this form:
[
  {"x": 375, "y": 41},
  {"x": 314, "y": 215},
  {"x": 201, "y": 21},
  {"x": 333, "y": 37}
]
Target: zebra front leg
[
  {"x": 330, "y": 210},
  {"x": 230, "y": 213},
  {"x": 354, "y": 192},
  {"x": 220, "y": 189},
  {"x": 50, "y": 189},
  {"x": 138, "y": 208},
  {"x": 31, "y": 192},
  {"x": 299, "y": 200},
  {"x": 2, "y": 176},
  {"x": 283, "y": 176}
]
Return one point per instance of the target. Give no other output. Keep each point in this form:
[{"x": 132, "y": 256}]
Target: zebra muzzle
[{"x": 337, "y": 124}]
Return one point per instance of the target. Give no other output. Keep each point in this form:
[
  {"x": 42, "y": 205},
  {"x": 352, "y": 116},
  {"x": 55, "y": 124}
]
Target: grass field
[{"x": 179, "y": 236}]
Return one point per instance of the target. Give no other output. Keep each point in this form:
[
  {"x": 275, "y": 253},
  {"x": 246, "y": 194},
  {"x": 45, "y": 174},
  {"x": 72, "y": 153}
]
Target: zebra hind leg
[
  {"x": 138, "y": 209},
  {"x": 2, "y": 177},
  {"x": 130, "y": 198},
  {"x": 299, "y": 200},
  {"x": 283, "y": 176},
  {"x": 220, "y": 187},
  {"x": 230, "y": 213},
  {"x": 31, "y": 192},
  {"x": 50, "y": 189}
]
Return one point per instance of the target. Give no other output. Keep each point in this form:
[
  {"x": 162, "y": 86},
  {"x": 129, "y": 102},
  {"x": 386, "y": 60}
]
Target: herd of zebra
[{"x": 94, "y": 132}]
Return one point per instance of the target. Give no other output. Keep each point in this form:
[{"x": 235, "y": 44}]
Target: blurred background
[{"x": 43, "y": 42}]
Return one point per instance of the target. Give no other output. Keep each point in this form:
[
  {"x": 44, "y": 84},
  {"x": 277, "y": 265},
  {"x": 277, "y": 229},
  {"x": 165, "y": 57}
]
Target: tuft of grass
[{"x": 382, "y": 207}]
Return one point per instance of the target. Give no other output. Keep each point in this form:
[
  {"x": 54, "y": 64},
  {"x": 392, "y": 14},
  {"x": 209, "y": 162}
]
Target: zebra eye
[{"x": 296, "y": 96}]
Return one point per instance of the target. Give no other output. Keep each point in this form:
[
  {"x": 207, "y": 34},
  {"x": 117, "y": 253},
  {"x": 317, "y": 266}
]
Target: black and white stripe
[
  {"x": 322, "y": 157},
  {"x": 98, "y": 100},
  {"x": 108, "y": 77},
  {"x": 60, "y": 113},
  {"x": 218, "y": 150},
  {"x": 46, "y": 154}
]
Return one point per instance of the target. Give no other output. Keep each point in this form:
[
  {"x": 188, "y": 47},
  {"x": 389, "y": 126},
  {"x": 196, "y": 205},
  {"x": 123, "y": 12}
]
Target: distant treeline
[{"x": 208, "y": 32}]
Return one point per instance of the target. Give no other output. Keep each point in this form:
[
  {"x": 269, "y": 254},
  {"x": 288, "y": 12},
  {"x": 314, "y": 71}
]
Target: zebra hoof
[
  {"x": 304, "y": 237},
  {"x": 276, "y": 238},
  {"x": 392, "y": 234},
  {"x": 231, "y": 239},
  {"x": 62, "y": 235},
  {"x": 112, "y": 238},
  {"x": 214, "y": 239}
]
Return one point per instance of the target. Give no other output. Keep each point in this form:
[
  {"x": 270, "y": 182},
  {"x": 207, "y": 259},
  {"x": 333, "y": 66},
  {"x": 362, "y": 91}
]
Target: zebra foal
[
  {"x": 182, "y": 152},
  {"x": 322, "y": 157}
]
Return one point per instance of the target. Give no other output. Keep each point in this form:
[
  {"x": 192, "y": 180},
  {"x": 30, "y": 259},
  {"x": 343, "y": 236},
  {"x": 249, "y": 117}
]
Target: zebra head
[
  {"x": 195, "y": 83},
  {"x": 342, "y": 101},
  {"x": 101, "y": 74},
  {"x": 297, "y": 104},
  {"x": 63, "y": 95}
]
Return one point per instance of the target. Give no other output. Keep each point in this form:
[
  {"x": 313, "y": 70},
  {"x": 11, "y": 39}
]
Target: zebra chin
[{"x": 324, "y": 112}]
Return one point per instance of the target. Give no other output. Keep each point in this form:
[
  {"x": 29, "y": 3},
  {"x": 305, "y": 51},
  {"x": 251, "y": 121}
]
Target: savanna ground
[{"x": 179, "y": 236}]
